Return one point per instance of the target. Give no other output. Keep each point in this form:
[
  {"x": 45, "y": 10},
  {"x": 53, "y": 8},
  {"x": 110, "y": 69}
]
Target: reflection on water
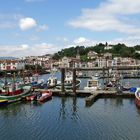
[
  {"x": 138, "y": 111},
  {"x": 73, "y": 108},
  {"x": 63, "y": 108},
  {"x": 68, "y": 118}
]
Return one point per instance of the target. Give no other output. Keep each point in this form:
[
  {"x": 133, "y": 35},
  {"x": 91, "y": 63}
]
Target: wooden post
[
  {"x": 108, "y": 75},
  {"x": 104, "y": 76},
  {"x": 74, "y": 81},
  {"x": 74, "y": 105},
  {"x": 62, "y": 80}
]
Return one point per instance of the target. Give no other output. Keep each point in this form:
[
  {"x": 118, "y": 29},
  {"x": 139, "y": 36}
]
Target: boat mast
[
  {"x": 5, "y": 84},
  {"x": 36, "y": 70},
  {"x": 14, "y": 87},
  {"x": 23, "y": 76}
]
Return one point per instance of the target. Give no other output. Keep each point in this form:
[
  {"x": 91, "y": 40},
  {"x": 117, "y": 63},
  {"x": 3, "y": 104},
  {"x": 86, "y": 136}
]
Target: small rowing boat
[{"x": 40, "y": 96}]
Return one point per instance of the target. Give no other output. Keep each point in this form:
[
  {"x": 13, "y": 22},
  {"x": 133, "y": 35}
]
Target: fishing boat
[
  {"x": 37, "y": 84},
  {"x": 34, "y": 82},
  {"x": 10, "y": 93},
  {"x": 40, "y": 96},
  {"x": 93, "y": 84},
  {"x": 68, "y": 82},
  {"x": 137, "y": 97},
  {"x": 51, "y": 82}
]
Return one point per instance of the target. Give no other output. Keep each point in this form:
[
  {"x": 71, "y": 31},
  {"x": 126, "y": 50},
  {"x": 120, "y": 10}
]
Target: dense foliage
[
  {"x": 33, "y": 67},
  {"x": 118, "y": 50}
]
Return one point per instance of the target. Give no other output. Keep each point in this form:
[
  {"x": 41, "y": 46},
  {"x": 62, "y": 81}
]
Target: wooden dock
[
  {"x": 107, "y": 94},
  {"x": 91, "y": 96}
]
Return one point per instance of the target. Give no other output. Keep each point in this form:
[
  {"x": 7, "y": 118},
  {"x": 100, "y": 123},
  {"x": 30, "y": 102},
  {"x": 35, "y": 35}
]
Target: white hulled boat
[{"x": 93, "y": 84}]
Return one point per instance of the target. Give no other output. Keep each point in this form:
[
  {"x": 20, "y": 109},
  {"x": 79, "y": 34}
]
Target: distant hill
[
  {"x": 7, "y": 58},
  {"x": 118, "y": 50}
]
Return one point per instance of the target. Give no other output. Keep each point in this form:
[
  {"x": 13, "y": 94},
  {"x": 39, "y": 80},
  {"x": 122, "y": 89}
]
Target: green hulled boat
[{"x": 8, "y": 96}]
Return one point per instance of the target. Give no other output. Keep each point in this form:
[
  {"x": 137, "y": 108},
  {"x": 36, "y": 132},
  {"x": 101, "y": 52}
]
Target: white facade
[
  {"x": 102, "y": 62},
  {"x": 92, "y": 55},
  {"x": 38, "y": 60},
  {"x": 138, "y": 52},
  {"x": 11, "y": 65},
  {"x": 65, "y": 62},
  {"x": 108, "y": 47}
]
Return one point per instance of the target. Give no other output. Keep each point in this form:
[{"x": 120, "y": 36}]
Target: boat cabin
[{"x": 92, "y": 84}]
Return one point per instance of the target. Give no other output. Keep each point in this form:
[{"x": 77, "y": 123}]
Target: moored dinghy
[
  {"x": 45, "y": 96},
  {"x": 40, "y": 96}
]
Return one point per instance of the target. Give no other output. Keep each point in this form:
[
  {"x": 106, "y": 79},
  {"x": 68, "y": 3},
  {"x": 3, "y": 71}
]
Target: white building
[
  {"x": 101, "y": 62},
  {"x": 137, "y": 52},
  {"x": 108, "y": 47},
  {"x": 92, "y": 55},
  {"x": 39, "y": 60},
  {"x": 11, "y": 65},
  {"x": 65, "y": 62}
]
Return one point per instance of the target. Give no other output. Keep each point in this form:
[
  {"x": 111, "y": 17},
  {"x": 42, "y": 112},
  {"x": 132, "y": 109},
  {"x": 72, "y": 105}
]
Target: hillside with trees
[{"x": 118, "y": 50}]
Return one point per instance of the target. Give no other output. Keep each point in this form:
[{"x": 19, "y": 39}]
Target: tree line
[{"x": 118, "y": 50}]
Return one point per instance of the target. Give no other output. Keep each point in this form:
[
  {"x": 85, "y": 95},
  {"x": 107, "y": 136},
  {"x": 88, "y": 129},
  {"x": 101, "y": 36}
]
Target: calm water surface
[{"x": 69, "y": 119}]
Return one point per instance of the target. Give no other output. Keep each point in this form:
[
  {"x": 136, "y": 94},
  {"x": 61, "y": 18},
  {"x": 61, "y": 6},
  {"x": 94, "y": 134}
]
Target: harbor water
[{"x": 67, "y": 118}]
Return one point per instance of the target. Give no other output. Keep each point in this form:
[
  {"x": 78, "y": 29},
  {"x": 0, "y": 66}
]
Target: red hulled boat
[
  {"x": 40, "y": 96},
  {"x": 137, "y": 99}
]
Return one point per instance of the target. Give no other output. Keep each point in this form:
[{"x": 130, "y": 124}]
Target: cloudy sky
[{"x": 37, "y": 27}]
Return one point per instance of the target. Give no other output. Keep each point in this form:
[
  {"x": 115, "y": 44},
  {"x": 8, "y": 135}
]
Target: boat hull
[
  {"x": 137, "y": 102},
  {"x": 137, "y": 99},
  {"x": 90, "y": 88},
  {"x": 50, "y": 86},
  {"x": 40, "y": 96},
  {"x": 16, "y": 97},
  {"x": 45, "y": 98},
  {"x": 30, "y": 98},
  {"x": 3, "y": 102},
  {"x": 46, "y": 95}
]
